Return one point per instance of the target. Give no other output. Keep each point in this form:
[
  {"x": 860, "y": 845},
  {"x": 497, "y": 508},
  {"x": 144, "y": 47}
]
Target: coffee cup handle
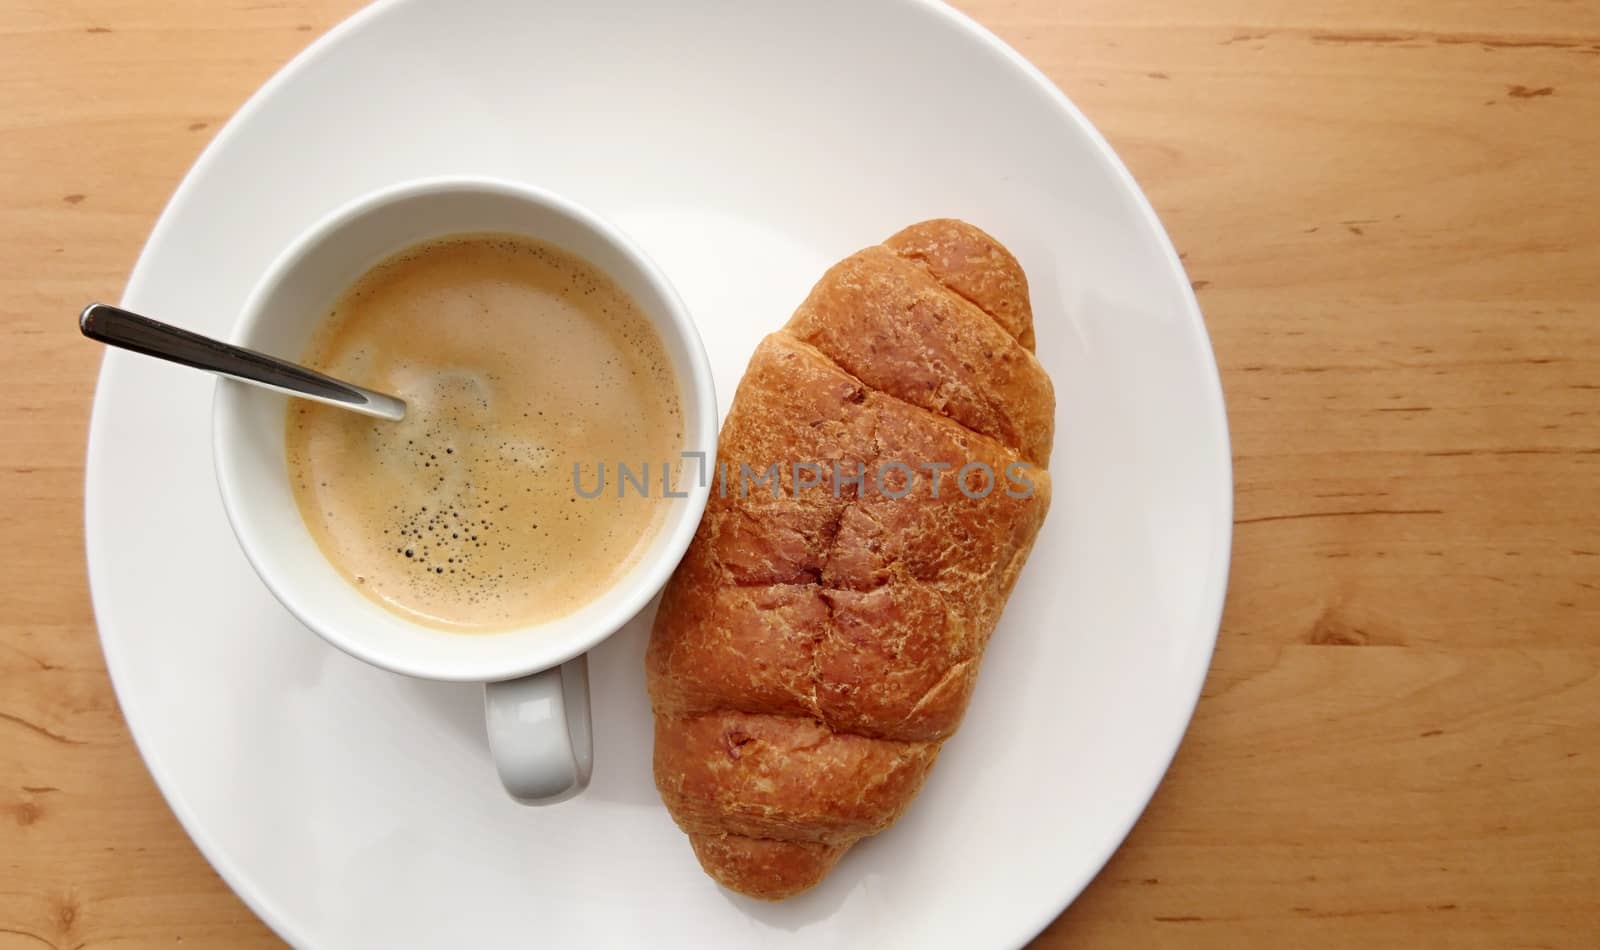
[{"x": 540, "y": 733}]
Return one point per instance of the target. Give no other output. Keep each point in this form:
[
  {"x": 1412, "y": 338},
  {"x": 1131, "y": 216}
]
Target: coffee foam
[{"x": 517, "y": 361}]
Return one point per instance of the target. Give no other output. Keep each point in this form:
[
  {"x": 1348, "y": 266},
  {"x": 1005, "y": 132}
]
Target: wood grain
[{"x": 1389, "y": 212}]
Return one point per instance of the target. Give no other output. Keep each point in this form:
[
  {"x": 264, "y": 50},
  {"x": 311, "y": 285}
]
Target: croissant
[{"x": 821, "y": 637}]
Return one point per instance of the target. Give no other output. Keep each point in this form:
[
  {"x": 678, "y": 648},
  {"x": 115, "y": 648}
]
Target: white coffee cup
[{"x": 536, "y": 697}]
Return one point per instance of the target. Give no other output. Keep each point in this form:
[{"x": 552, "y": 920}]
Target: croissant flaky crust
[{"x": 822, "y": 635}]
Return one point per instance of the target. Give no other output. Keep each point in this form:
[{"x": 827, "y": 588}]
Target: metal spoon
[{"x": 130, "y": 331}]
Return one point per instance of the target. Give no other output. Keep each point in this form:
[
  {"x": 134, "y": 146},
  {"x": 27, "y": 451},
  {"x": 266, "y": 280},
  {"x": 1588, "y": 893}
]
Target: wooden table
[{"x": 1392, "y": 215}]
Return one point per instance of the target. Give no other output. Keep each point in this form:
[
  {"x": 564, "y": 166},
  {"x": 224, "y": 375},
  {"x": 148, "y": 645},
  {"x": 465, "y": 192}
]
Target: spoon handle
[{"x": 131, "y": 331}]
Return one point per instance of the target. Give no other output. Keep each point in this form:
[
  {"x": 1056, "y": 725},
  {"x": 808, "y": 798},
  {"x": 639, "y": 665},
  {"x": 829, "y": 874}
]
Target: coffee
[{"x": 517, "y": 361}]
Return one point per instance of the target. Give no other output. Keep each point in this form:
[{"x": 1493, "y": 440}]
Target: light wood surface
[{"x": 1391, "y": 211}]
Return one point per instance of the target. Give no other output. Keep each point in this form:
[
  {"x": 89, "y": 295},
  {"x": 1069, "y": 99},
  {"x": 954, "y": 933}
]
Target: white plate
[{"x": 746, "y": 146}]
